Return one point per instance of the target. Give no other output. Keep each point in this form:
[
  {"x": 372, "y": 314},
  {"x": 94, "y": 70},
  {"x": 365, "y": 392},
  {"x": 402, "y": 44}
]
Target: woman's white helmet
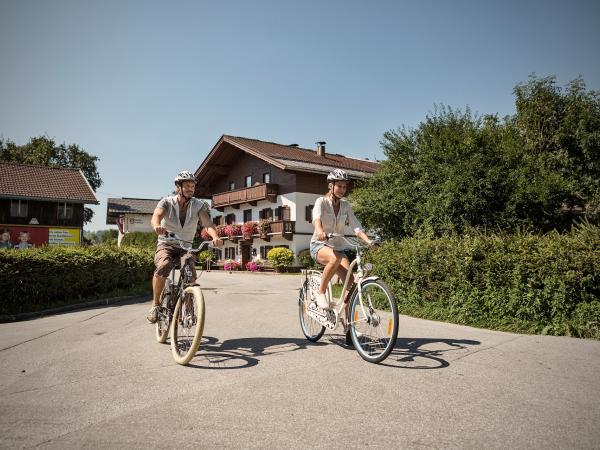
[
  {"x": 337, "y": 175},
  {"x": 184, "y": 175}
]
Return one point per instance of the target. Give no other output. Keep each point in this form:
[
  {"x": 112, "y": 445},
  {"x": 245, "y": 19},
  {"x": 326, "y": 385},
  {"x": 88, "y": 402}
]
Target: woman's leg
[{"x": 331, "y": 260}]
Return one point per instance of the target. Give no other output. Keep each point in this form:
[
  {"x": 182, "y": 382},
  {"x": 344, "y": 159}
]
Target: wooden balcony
[
  {"x": 284, "y": 228},
  {"x": 251, "y": 195}
]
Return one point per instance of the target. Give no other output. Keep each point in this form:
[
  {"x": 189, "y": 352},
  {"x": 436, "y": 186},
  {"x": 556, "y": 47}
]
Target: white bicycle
[{"x": 371, "y": 318}]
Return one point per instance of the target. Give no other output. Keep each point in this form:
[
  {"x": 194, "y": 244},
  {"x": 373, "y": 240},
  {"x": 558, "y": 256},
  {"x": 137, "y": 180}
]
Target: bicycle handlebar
[
  {"x": 356, "y": 243},
  {"x": 186, "y": 245}
]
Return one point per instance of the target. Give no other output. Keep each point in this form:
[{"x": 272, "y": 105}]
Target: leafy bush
[
  {"x": 205, "y": 255},
  {"x": 524, "y": 282},
  {"x": 539, "y": 168},
  {"x": 42, "y": 277},
  {"x": 140, "y": 239},
  {"x": 305, "y": 258},
  {"x": 280, "y": 258}
]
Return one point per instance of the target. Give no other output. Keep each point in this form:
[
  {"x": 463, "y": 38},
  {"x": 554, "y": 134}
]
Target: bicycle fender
[{"x": 373, "y": 278}]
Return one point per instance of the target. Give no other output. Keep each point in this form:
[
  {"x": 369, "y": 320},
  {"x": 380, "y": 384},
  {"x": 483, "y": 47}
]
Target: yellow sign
[{"x": 64, "y": 236}]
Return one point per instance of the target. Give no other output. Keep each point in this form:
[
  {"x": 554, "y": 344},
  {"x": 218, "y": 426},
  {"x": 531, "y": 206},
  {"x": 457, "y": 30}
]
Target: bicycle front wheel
[
  {"x": 374, "y": 321},
  {"x": 187, "y": 325},
  {"x": 310, "y": 327}
]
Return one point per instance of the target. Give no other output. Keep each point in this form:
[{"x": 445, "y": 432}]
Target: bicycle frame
[
  {"x": 185, "y": 272},
  {"x": 361, "y": 277}
]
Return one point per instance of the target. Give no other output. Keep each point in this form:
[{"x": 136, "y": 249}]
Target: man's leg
[
  {"x": 158, "y": 284},
  {"x": 163, "y": 264}
]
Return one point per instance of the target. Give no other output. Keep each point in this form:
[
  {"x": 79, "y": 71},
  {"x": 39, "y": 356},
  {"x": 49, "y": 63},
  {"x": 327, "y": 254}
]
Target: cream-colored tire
[{"x": 187, "y": 325}]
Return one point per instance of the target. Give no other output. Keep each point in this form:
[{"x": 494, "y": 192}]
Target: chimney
[{"x": 321, "y": 148}]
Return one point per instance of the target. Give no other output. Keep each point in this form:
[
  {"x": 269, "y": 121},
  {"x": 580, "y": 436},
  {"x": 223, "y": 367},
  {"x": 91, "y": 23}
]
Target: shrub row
[
  {"x": 524, "y": 282},
  {"x": 140, "y": 239},
  {"x": 37, "y": 278}
]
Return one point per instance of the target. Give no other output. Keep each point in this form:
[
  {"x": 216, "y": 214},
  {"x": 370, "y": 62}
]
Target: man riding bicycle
[{"x": 178, "y": 214}]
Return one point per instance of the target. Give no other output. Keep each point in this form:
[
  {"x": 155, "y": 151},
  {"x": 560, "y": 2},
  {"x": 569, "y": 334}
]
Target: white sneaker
[{"x": 322, "y": 301}]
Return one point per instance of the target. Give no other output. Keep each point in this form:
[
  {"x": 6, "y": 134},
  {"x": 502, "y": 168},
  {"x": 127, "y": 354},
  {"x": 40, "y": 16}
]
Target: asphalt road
[{"x": 97, "y": 379}]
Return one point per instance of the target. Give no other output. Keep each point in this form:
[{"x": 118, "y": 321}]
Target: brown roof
[
  {"x": 303, "y": 159},
  {"x": 117, "y": 206},
  {"x": 44, "y": 183},
  {"x": 285, "y": 157}
]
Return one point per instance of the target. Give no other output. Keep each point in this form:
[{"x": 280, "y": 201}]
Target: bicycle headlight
[{"x": 368, "y": 267}]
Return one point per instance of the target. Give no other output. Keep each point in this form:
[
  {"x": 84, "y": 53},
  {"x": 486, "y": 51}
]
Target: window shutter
[{"x": 286, "y": 213}]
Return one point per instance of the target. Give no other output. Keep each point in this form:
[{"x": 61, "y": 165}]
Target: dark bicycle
[{"x": 182, "y": 308}]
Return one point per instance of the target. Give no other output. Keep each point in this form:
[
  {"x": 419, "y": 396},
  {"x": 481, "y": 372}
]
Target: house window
[
  {"x": 231, "y": 185},
  {"x": 217, "y": 220},
  {"x": 230, "y": 253},
  {"x": 229, "y": 219},
  {"x": 247, "y": 215},
  {"x": 308, "y": 213},
  {"x": 266, "y": 213},
  {"x": 264, "y": 251},
  {"x": 282, "y": 213},
  {"x": 18, "y": 208},
  {"x": 266, "y": 177},
  {"x": 248, "y": 181},
  {"x": 65, "y": 211}
]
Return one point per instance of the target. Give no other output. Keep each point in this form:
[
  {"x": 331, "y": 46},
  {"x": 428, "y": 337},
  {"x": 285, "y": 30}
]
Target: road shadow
[
  {"x": 425, "y": 353},
  {"x": 417, "y": 353},
  {"x": 243, "y": 353}
]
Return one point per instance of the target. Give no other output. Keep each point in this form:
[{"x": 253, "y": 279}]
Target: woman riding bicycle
[{"x": 331, "y": 214}]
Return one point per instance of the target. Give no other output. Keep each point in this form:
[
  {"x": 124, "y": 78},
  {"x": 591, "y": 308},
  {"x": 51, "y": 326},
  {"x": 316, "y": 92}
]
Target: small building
[
  {"x": 41, "y": 205},
  {"x": 248, "y": 180},
  {"x": 130, "y": 214}
]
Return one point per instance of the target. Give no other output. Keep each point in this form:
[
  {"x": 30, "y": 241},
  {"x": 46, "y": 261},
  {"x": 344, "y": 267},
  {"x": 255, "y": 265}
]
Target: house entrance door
[{"x": 246, "y": 249}]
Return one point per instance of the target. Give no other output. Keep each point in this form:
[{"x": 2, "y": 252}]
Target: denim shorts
[{"x": 315, "y": 246}]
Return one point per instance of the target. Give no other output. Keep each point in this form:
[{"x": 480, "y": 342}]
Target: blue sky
[{"x": 149, "y": 87}]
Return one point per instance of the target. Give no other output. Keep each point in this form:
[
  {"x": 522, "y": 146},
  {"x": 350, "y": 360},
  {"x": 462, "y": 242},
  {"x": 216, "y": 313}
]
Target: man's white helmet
[
  {"x": 184, "y": 175},
  {"x": 337, "y": 175}
]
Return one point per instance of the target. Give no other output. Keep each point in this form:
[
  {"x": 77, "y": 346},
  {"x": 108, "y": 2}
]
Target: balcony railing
[
  {"x": 264, "y": 191},
  {"x": 282, "y": 227}
]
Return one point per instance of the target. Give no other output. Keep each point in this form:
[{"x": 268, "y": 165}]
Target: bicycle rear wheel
[
  {"x": 162, "y": 324},
  {"x": 374, "y": 322},
  {"x": 310, "y": 327},
  {"x": 187, "y": 325}
]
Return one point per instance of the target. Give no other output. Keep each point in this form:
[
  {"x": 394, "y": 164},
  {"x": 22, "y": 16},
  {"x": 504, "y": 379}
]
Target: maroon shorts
[{"x": 166, "y": 254}]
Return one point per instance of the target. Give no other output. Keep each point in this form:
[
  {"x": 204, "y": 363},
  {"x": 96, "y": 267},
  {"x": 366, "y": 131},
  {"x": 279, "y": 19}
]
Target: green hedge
[
  {"x": 525, "y": 282},
  {"x": 140, "y": 239},
  {"x": 38, "y": 278}
]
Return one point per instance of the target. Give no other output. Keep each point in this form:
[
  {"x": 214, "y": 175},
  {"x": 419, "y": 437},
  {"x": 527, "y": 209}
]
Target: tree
[
  {"x": 456, "y": 170},
  {"x": 43, "y": 151}
]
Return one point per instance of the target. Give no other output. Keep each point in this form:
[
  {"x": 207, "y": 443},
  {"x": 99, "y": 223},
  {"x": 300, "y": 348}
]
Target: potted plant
[
  {"x": 264, "y": 226},
  {"x": 252, "y": 266},
  {"x": 221, "y": 230},
  {"x": 248, "y": 229},
  {"x": 205, "y": 236},
  {"x": 231, "y": 265},
  {"x": 233, "y": 232}
]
